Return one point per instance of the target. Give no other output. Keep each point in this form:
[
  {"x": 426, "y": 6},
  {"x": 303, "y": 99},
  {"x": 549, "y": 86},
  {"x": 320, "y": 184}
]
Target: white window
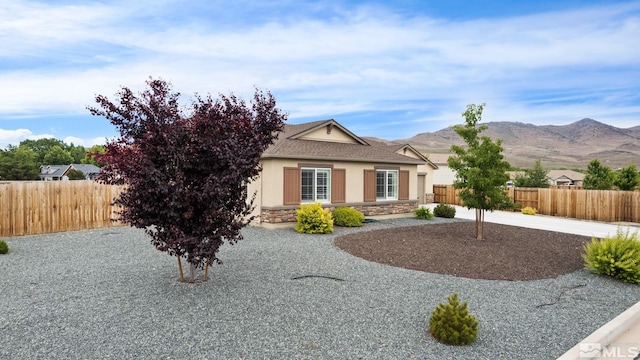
[
  {"x": 316, "y": 185},
  {"x": 387, "y": 184}
]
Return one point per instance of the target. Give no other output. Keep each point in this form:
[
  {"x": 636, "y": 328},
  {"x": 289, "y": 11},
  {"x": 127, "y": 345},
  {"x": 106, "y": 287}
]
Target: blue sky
[{"x": 389, "y": 69}]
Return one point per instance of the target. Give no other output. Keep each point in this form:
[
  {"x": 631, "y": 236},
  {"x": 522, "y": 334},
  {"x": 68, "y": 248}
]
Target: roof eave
[{"x": 323, "y": 158}]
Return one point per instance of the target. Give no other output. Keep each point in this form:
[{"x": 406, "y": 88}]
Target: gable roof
[
  {"x": 53, "y": 170},
  {"x": 87, "y": 169},
  {"x": 294, "y": 143},
  {"x": 308, "y": 128},
  {"x": 569, "y": 174},
  {"x": 58, "y": 171},
  {"x": 397, "y": 147}
]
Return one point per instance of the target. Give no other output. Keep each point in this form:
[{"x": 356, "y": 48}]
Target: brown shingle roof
[{"x": 288, "y": 146}]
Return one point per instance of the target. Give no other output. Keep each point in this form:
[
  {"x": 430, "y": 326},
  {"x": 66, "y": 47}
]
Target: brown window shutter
[
  {"x": 403, "y": 185},
  {"x": 369, "y": 185},
  {"x": 291, "y": 186},
  {"x": 338, "y": 186}
]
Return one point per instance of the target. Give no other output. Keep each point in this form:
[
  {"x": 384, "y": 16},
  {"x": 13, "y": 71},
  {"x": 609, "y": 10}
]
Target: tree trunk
[
  {"x": 180, "y": 269},
  {"x": 192, "y": 271},
  {"x": 479, "y": 224},
  {"x": 206, "y": 270},
  {"x": 482, "y": 224}
]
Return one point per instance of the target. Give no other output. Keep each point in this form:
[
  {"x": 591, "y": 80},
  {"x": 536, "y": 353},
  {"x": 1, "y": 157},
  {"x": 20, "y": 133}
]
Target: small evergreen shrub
[
  {"x": 452, "y": 324},
  {"x": 4, "y": 248},
  {"x": 313, "y": 219},
  {"x": 444, "y": 211},
  {"x": 424, "y": 213},
  {"x": 617, "y": 256},
  {"x": 528, "y": 210},
  {"x": 346, "y": 216}
]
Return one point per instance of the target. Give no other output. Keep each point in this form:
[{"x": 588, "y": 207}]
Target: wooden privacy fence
[
  {"x": 596, "y": 205},
  {"x": 37, "y": 207}
]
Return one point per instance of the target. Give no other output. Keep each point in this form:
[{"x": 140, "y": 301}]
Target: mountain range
[{"x": 566, "y": 146}]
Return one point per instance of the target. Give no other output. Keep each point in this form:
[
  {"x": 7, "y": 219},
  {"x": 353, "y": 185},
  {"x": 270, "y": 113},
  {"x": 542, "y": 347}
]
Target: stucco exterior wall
[
  {"x": 443, "y": 176},
  {"x": 270, "y": 188},
  {"x": 428, "y": 171}
]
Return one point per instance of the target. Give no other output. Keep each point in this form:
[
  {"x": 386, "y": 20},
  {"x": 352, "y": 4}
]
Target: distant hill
[{"x": 571, "y": 146}]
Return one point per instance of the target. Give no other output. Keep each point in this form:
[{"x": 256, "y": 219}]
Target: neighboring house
[
  {"x": 443, "y": 175},
  {"x": 557, "y": 177},
  {"x": 53, "y": 172},
  {"x": 59, "y": 172},
  {"x": 324, "y": 162},
  {"x": 565, "y": 177}
]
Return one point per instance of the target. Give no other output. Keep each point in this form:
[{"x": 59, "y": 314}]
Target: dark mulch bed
[{"x": 507, "y": 253}]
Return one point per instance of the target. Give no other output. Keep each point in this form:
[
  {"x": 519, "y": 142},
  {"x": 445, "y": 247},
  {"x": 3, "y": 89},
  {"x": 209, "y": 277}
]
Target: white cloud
[
  {"x": 14, "y": 137},
  {"x": 360, "y": 59},
  {"x": 28, "y": 27},
  {"x": 84, "y": 142}
]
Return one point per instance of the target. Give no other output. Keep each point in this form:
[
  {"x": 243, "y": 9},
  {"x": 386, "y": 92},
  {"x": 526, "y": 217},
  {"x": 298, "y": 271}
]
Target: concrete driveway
[{"x": 544, "y": 222}]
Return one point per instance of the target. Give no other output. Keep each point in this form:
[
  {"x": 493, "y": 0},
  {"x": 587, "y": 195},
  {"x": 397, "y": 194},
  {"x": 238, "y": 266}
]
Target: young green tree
[
  {"x": 534, "y": 178},
  {"x": 599, "y": 176},
  {"x": 627, "y": 178},
  {"x": 186, "y": 174},
  {"x": 481, "y": 171}
]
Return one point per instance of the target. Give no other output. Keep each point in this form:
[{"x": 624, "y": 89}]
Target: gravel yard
[{"x": 108, "y": 294}]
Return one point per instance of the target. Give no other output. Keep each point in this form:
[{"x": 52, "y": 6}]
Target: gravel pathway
[{"x": 108, "y": 294}]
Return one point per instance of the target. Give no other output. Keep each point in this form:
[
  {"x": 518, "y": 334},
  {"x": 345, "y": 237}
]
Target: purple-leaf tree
[{"x": 186, "y": 171}]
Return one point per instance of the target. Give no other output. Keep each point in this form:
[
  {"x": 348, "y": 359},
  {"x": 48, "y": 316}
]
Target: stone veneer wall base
[{"x": 288, "y": 214}]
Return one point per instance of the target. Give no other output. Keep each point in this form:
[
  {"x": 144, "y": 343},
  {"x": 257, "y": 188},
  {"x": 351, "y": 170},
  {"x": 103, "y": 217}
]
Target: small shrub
[
  {"x": 424, "y": 213},
  {"x": 528, "y": 210},
  {"x": 313, "y": 219},
  {"x": 346, "y": 216},
  {"x": 444, "y": 211},
  {"x": 452, "y": 324},
  {"x": 617, "y": 256},
  {"x": 4, "y": 248}
]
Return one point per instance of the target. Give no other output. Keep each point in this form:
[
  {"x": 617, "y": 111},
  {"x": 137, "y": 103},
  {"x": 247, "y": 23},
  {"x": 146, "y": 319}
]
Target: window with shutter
[
  {"x": 386, "y": 184},
  {"x": 403, "y": 185},
  {"x": 369, "y": 185},
  {"x": 315, "y": 185},
  {"x": 338, "y": 186},
  {"x": 291, "y": 186}
]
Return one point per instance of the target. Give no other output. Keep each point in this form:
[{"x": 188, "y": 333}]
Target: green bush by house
[
  {"x": 617, "y": 256},
  {"x": 313, "y": 219},
  {"x": 452, "y": 324},
  {"x": 346, "y": 216},
  {"x": 444, "y": 211},
  {"x": 4, "y": 248},
  {"x": 424, "y": 213}
]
